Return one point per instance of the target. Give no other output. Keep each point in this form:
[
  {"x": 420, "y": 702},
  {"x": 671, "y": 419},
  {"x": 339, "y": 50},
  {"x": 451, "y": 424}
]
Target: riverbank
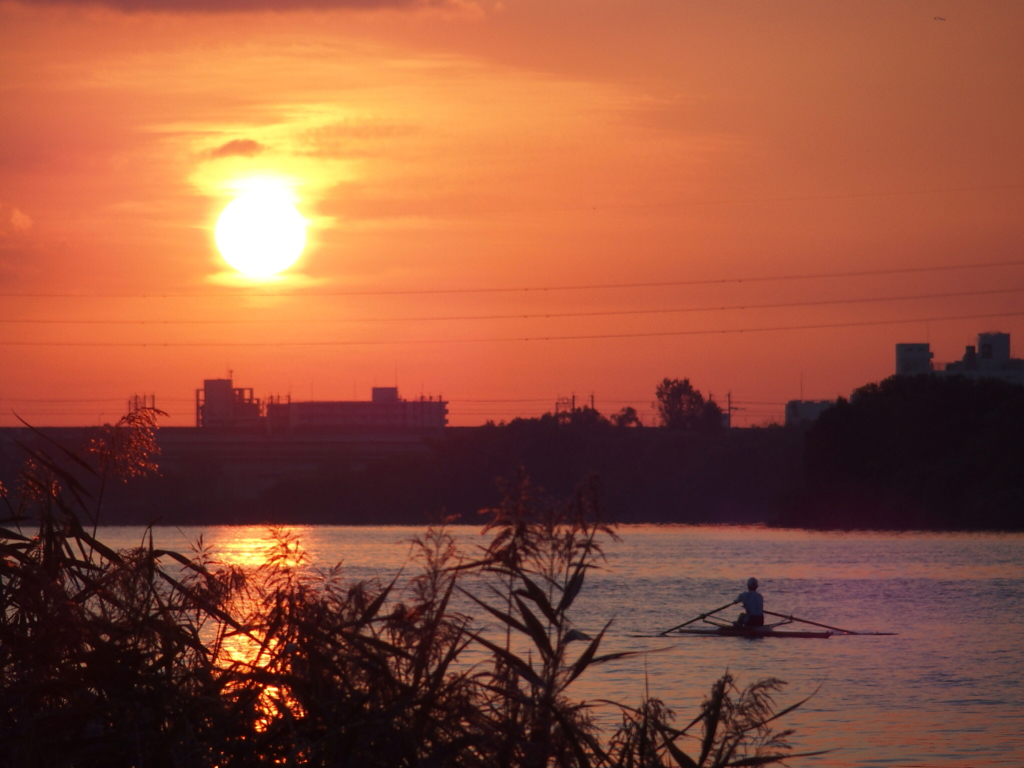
[
  {"x": 647, "y": 475},
  {"x": 910, "y": 453}
]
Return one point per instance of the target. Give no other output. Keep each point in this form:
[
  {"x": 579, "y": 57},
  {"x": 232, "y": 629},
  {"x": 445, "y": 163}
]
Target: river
[{"x": 947, "y": 690}]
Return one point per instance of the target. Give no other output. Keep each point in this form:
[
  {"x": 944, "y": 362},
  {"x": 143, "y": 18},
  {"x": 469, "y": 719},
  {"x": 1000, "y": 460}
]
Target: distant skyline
[{"x": 637, "y": 189}]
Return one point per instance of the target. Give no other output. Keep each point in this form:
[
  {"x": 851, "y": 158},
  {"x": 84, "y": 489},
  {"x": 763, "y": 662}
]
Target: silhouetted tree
[
  {"x": 918, "y": 452},
  {"x": 627, "y": 417},
  {"x": 680, "y": 406},
  {"x": 581, "y": 417}
]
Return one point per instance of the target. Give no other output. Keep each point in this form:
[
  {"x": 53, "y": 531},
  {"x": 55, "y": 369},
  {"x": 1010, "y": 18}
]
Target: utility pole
[
  {"x": 139, "y": 402},
  {"x": 729, "y": 409}
]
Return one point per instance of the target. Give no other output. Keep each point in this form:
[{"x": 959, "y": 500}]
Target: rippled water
[{"x": 948, "y": 690}]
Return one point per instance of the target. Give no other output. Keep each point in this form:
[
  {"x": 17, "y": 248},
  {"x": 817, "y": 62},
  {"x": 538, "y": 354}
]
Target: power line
[
  {"x": 530, "y": 289},
  {"x": 528, "y": 316},
  {"x": 454, "y": 402},
  {"x": 86, "y": 400},
  {"x": 497, "y": 339},
  {"x": 791, "y": 199},
  {"x": 510, "y": 400}
]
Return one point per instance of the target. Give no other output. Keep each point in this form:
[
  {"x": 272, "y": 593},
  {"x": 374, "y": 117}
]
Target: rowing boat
[
  {"x": 753, "y": 632},
  {"x": 722, "y": 628}
]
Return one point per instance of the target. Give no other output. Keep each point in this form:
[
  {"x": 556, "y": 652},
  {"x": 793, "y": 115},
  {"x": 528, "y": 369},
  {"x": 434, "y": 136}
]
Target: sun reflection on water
[
  {"x": 248, "y": 546},
  {"x": 940, "y": 676},
  {"x": 258, "y": 551}
]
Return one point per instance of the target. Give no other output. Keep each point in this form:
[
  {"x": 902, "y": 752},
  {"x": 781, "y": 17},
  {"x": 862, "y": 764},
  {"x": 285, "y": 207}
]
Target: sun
[{"x": 260, "y": 232}]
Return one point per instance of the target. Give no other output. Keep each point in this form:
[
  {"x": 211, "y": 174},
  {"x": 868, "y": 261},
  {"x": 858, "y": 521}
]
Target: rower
[{"x": 753, "y": 604}]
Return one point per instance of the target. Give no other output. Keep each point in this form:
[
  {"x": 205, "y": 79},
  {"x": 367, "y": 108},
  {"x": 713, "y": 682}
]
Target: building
[
  {"x": 805, "y": 411},
  {"x": 384, "y": 412},
  {"x": 912, "y": 359},
  {"x": 221, "y": 405},
  {"x": 989, "y": 358}
]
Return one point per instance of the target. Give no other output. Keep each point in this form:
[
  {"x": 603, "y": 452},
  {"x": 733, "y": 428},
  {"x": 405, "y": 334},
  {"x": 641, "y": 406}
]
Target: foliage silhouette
[
  {"x": 680, "y": 406},
  {"x": 147, "y": 657},
  {"x": 626, "y": 417},
  {"x": 917, "y": 452}
]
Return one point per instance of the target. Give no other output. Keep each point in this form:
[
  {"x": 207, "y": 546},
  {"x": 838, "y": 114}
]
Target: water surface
[{"x": 948, "y": 690}]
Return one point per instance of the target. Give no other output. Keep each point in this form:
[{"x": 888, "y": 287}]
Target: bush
[{"x": 147, "y": 657}]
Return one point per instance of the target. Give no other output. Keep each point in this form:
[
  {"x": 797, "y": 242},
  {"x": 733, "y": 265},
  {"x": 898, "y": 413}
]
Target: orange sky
[{"x": 445, "y": 146}]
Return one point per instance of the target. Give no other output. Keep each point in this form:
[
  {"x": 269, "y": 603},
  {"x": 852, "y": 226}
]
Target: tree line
[
  {"x": 915, "y": 452},
  {"x": 679, "y": 405}
]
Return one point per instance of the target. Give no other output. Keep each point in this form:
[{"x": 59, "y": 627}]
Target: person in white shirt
[{"x": 753, "y": 606}]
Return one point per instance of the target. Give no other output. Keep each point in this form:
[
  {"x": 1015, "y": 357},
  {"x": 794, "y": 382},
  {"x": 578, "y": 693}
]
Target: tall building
[
  {"x": 913, "y": 358},
  {"x": 221, "y": 405},
  {"x": 989, "y": 358}
]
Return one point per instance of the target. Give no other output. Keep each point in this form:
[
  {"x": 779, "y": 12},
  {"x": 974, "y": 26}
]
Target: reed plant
[{"x": 147, "y": 657}]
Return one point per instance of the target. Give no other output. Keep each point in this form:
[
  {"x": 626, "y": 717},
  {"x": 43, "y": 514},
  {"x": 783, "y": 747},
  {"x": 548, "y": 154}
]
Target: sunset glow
[{"x": 507, "y": 203}]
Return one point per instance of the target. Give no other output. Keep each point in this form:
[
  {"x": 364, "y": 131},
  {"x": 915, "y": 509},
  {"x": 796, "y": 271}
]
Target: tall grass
[{"x": 147, "y": 657}]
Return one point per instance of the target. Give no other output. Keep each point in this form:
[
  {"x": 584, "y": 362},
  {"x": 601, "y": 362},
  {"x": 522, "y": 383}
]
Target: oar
[
  {"x": 826, "y": 626},
  {"x": 698, "y": 618}
]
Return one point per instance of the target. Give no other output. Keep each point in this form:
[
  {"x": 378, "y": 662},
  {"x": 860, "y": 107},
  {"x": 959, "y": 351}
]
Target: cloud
[
  {"x": 21, "y": 222},
  {"x": 14, "y": 224},
  {"x": 238, "y": 148},
  {"x": 229, "y": 6},
  {"x": 349, "y": 138}
]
